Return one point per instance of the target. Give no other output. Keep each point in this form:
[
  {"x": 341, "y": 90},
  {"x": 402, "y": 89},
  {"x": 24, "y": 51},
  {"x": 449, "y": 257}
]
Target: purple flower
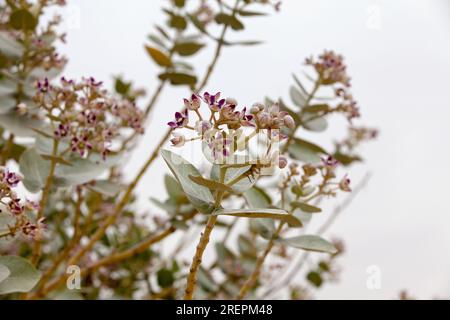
[
  {"x": 80, "y": 145},
  {"x": 202, "y": 126},
  {"x": 344, "y": 184},
  {"x": 62, "y": 130},
  {"x": 43, "y": 86},
  {"x": 192, "y": 104},
  {"x": 181, "y": 120},
  {"x": 219, "y": 146},
  {"x": 214, "y": 102},
  {"x": 15, "y": 207},
  {"x": 246, "y": 119},
  {"x": 11, "y": 179},
  {"x": 330, "y": 162}
]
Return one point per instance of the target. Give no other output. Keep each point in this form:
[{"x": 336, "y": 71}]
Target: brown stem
[
  {"x": 45, "y": 195},
  {"x": 75, "y": 239},
  {"x": 197, "y": 260}
]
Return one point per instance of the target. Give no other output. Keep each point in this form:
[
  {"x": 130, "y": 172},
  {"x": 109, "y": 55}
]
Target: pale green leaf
[
  {"x": 4, "y": 272},
  {"x": 257, "y": 198},
  {"x": 22, "y": 278},
  {"x": 276, "y": 214},
  {"x": 198, "y": 195},
  {"x": 297, "y": 97},
  {"x": 106, "y": 187},
  {"x": 211, "y": 184},
  {"x": 311, "y": 243},
  {"x": 305, "y": 207},
  {"x": 34, "y": 169}
]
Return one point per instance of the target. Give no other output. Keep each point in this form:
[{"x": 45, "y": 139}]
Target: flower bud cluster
[
  {"x": 84, "y": 115},
  {"x": 225, "y": 124},
  {"x": 19, "y": 210}
]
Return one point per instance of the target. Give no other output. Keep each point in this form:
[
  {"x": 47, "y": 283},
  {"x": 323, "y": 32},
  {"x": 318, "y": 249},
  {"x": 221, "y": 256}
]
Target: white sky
[{"x": 398, "y": 54}]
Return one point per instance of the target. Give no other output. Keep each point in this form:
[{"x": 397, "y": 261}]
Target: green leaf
[
  {"x": 310, "y": 243},
  {"x": 159, "y": 57},
  {"x": 121, "y": 86},
  {"x": 232, "y": 174},
  {"x": 165, "y": 278},
  {"x": 277, "y": 214},
  {"x": 211, "y": 184},
  {"x": 263, "y": 226},
  {"x": 305, "y": 207},
  {"x": 187, "y": 48},
  {"x": 233, "y": 22},
  {"x": 4, "y": 272},
  {"x": 34, "y": 169},
  {"x": 179, "y": 3},
  {"x": 245, "y": 13},
  {"x": 174, "y": 189},
  {"x": 206, "y": 281},
  {"x": 257, "y": 198},
  {"x": 105, "y": 187},
  {"x": 9, "y": 46},
  {"x": 304, "y": 217},
  {"x": 314, "y": 123},
  {"x": 306, "y": 151},
  {"x": 177, "y": 22},
  {"x": 316, "y": 108},
  {"x": 297, "y": 97},
  {"x": 20, "y": 126},
  {"x": 200, "y": 196},
  {"x": 83, "y": 170},
  {"x": 22, "y": 278},
  {"x": 346, "y": 159},
  {"x": 315, "y": 278},
  {"x": 199, "y": 25},
  {"x": 6, "y": 219},
  {"x": 178, "y": 78},
  {"x": 244, "y": 43},
  {"x": 22, "y": 19}
]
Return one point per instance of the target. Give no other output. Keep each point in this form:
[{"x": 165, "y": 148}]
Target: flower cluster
[
  {"x": 358, "y": 135},
  {"x": 42, "y": 49},
  {"x": 225, "y": 124},
  {"x": 85, "y": 115},
  {"x": 325, "y": 175},
  {"x": 331, "y": 68},
  {"x": 17, "y": 209}
]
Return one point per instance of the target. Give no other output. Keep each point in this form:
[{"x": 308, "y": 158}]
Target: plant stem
[
  {"x": 307, "y": 102},
  {"x": 197, "y": 260},
  {"x": 45, "y": 195},
  {"x": 202, "y": 244},
  {"x": 65, "y": 252}
]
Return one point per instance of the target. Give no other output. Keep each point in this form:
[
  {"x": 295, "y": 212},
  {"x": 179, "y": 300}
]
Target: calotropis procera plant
[
  {"x": 222, "y": 133},
  {"x": 70, "y": 225}
]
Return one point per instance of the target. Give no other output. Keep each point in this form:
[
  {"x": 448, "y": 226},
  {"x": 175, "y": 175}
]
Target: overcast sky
[{"x": 398, "y": 53}]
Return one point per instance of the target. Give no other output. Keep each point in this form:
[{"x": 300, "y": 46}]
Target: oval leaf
[
  {"x": 277, "y": 214},
  {"x": 311, "y": 243},
  {"x": 200, "y": 196},
  {"x": 211, "y": 184},
  {"x": 305, "y": 207},
  {"x": 187, "y": 48},
  {"x": 4, "y": 272},
  {"x": 34, "y": 169},
  {"x": 22, "y": 278},
  {"x": 159, "y": 57}
]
